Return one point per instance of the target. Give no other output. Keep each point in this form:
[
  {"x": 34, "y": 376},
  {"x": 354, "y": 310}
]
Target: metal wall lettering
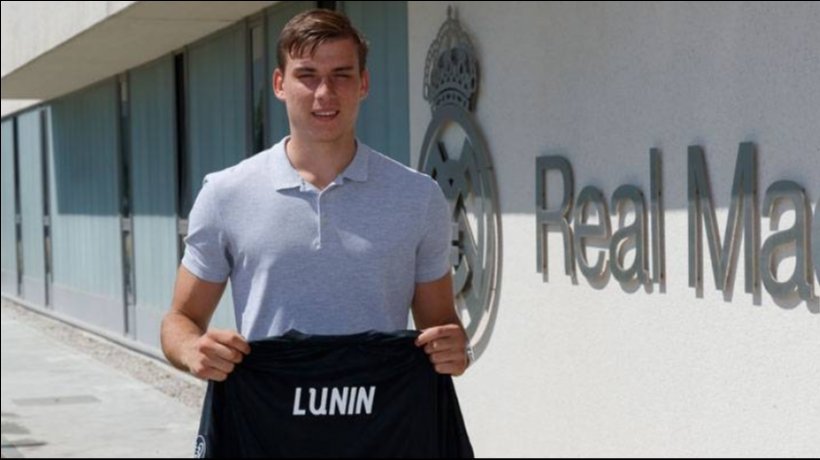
[
  {"x": 744, "y": 216},
  {"x": 584, "y": 231},
  {"x": 576, "y": 231},
  {"x": 657, "y": 213},
  {"x": 635, "y": 232},
  {"x": 465, "y": 174},
  {"x": 701, "y": 211},
  {"x": 545, "y": 218},
  {"x": 798, "y": 235},
  {"x": 816, "y": 241},
  {"x": 743, "y": 223}
]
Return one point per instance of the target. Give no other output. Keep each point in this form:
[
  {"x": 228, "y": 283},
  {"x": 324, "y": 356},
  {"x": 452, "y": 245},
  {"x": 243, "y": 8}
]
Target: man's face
[{"x": 322, "y": 93}]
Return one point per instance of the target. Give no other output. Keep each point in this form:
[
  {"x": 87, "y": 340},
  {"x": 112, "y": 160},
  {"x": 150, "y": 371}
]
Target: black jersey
[{"x": 362, "y": 395}]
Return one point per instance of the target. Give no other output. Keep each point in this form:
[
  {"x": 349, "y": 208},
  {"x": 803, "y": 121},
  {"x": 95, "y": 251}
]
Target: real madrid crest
[{"x": 455, "y": 155}]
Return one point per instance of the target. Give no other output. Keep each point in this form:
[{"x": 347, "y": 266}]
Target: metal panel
[
  {"x": 30, "y": 154},
  {"x": 277, "y": 17},
  {"x": 217, "y": 110},
  {"x": 85, "y": 207},
  {"x": 383, "y": 117},
  {"x": 8, "y": 252},
  {"x": 48, "y": 141},
  {"x": 153, "y": 187}
]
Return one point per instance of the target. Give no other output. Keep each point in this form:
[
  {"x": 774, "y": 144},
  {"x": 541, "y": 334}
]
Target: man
[{"x": 319, "y": 233}]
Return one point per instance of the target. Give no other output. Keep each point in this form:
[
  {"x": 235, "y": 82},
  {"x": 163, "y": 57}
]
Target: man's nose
[{"x": 326, "y": 88}]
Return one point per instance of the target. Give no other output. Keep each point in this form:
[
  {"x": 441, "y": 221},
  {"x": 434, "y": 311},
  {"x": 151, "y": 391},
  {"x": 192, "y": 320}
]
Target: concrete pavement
[{"x": 59, "y": 401}]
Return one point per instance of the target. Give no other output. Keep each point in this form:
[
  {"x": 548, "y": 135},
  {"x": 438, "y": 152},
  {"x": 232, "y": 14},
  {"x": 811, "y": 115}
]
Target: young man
[{"x": 318, "y": 233}]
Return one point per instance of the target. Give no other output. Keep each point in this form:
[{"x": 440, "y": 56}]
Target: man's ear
[
  {"x": 365, "y": 87},
  {"x": 278, "y": 81}
]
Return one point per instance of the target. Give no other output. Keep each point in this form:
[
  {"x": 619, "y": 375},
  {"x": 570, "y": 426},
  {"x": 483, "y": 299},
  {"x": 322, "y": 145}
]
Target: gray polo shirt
[{"x": 338, "y": 261}]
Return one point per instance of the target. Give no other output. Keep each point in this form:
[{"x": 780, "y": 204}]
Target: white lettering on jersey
[{"x": 343, "y": 401}]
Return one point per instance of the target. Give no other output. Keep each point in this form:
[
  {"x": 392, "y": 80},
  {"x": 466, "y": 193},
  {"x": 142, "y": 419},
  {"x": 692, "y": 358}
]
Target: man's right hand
[{"x": 214, "y": 354}]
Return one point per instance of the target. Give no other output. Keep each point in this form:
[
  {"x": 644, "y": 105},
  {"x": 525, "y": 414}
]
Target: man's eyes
[{"x": 343, "y": 76}]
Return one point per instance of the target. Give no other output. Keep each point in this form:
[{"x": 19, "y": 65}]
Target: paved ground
[{"x": 67, "y": 393}]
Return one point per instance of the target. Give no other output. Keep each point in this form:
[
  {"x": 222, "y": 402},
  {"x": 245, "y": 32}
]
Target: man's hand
[
  {"x": 214, "y": 354},
  {"x": 447, "y": 348}
]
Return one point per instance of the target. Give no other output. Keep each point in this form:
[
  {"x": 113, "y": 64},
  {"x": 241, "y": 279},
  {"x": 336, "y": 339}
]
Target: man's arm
[
  {"x": 443, "y": 336},
  {"x": 208, "y": 355}
]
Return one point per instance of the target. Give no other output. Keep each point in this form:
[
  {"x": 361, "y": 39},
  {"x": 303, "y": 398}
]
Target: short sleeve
[
  {"x": 206, "y": 245},
  {"x": 435, "y": 246}
]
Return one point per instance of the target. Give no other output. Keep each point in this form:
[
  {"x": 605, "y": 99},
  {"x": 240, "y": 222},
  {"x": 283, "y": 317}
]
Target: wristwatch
[{"x": 470, "y": 355}]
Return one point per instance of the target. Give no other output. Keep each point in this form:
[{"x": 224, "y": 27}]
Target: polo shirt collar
[
  {"x": 285, "y": 175},
  {"x": 357, "y": 169}
]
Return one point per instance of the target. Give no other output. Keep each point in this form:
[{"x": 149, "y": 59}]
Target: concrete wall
[
  {"x": 55, "y": 48},
  {"x": 577, "y": 370},
  {"x": 32, "y": 28}
]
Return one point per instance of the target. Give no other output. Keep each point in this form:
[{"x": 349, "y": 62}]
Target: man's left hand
[{"x": 447, "y": 348}]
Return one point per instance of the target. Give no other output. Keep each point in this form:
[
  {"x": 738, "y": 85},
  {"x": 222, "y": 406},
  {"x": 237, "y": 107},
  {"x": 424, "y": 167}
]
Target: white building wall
[
  {"x": 32, "y": 28},
  {"x": 573, "y": 370}
]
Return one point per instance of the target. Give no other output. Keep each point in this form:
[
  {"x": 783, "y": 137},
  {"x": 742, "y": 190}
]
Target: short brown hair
[{"x": 309, "y": 29}]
